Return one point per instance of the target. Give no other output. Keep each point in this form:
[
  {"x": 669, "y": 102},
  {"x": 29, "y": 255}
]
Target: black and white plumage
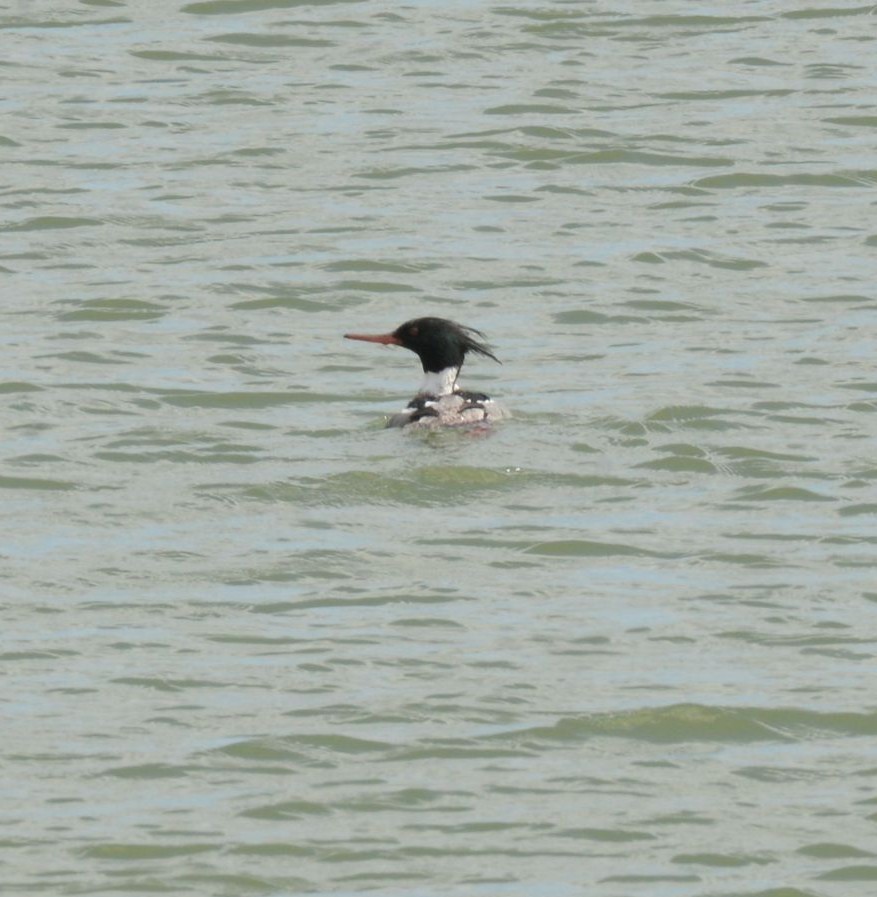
[{"x": 442, "y": 346}]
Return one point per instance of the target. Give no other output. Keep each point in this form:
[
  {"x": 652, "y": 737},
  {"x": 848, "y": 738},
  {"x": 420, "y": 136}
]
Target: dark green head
[{"x": 438, "y": 342}]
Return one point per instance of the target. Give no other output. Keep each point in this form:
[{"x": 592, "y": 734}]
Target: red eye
[{"x": 413, "y": 332}]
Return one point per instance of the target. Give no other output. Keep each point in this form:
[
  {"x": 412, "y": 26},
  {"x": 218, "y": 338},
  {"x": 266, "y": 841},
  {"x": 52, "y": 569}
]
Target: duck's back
[{"x": 457, "y": 409}]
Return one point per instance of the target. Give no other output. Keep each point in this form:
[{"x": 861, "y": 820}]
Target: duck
[{"x": 442, "y": 346}]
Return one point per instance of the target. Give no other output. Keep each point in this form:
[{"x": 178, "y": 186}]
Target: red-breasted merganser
[{"x": 442, "y": 346}]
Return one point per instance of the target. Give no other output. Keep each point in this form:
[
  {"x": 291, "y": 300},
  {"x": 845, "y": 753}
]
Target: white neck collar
[{"x": 439, "y": 383}]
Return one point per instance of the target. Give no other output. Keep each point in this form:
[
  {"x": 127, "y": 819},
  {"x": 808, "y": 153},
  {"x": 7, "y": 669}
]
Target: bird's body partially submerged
[
  {"x": 451, "y": 410},
  {"x": 442, "y": 346}
]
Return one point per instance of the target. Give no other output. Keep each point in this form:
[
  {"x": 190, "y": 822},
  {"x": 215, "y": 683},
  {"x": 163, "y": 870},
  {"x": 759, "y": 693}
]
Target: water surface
[{"x": 253, "y": 643}]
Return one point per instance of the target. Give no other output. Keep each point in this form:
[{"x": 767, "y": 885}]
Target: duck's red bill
[{"x": 388, "y": 339}]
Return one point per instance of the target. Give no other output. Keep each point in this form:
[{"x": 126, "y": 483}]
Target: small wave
[{"x": 697, "y": 722}]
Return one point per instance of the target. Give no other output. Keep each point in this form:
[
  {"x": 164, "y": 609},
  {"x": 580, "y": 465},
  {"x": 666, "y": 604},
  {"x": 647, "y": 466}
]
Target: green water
[{"x": 254, "y": 643}]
